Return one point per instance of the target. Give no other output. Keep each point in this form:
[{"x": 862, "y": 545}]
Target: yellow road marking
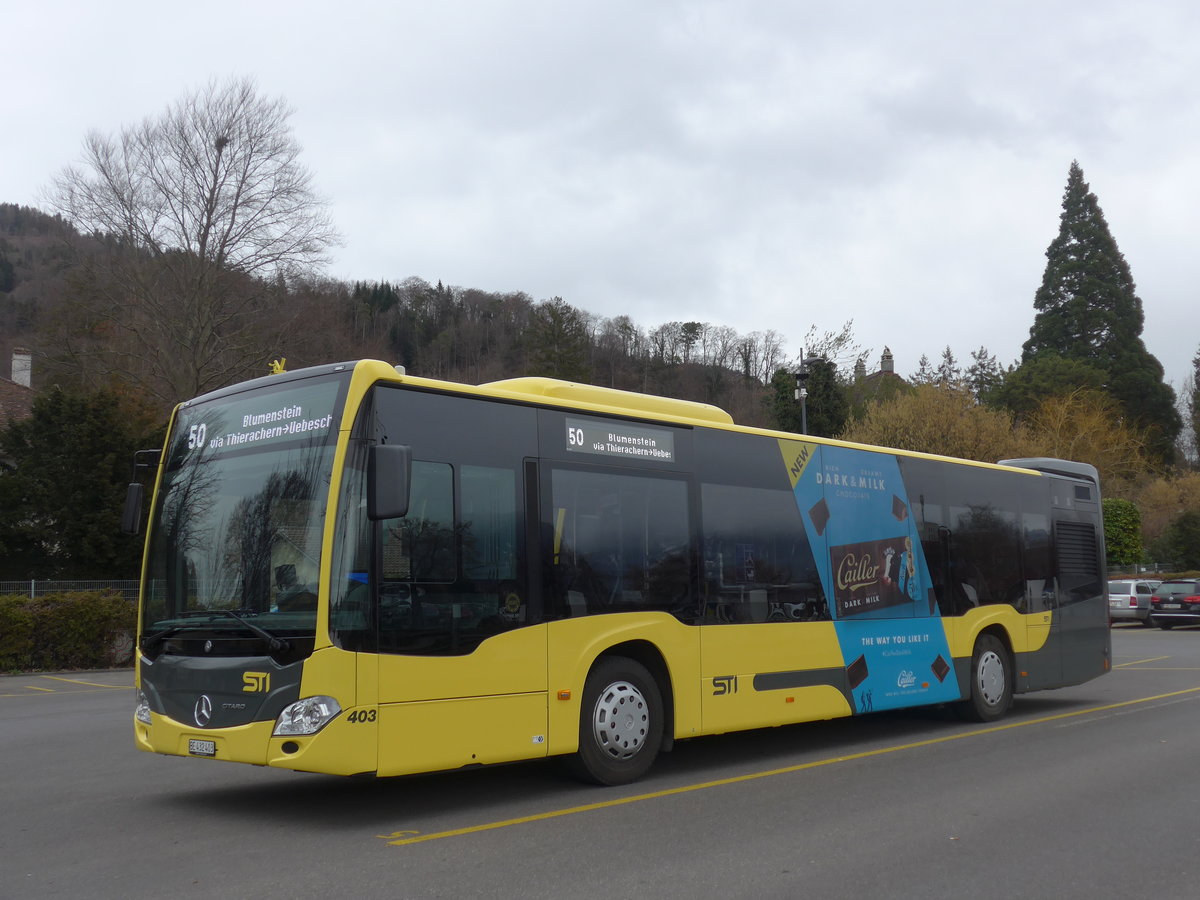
[
  {"x": 1138, "y": 662},
  {"x": 33, "y": 687},
  {"x": 114, "y": 687},
  {"x": 753, "y": 776}
]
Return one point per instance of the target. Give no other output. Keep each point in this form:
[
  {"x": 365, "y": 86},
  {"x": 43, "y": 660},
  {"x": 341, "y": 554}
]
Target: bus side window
[
  {"x": 451, "y": 576},
  {"x": 420, "y": 546},
  {"x": 620, "y": 543},
  {"x": 1037, "y": 564},
  {"x": 758, "y": 562}
]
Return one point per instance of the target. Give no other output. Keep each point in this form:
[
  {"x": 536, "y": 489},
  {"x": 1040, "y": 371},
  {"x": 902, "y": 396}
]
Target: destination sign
[
  {"x": 264, "y": 418},
  {"x": 620, "y": 439}
]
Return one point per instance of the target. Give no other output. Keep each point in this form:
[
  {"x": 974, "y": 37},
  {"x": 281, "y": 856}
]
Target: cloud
[{"x": 755, "y": 165}]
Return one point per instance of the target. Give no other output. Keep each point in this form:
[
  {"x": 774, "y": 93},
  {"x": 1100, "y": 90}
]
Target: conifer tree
[
  {"x": 1194, "y": 405},
  {"x": 1088, "y": 310},
  {"x": 558, "y": 342},
  {"x": 826, "y": 408},
  {"x": 948, "y": 372},
  {"x": 63, "y": 493},
  {"x": 924, "y": 374},
  {"x": 984, "y": 374}
]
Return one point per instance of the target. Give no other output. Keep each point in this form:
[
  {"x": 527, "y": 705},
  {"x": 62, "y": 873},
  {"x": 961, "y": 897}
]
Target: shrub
[
  {"x": 80, "y": 630},
  {"x": 1122, "y": 532},
  {"x": 16, "y": 633}
]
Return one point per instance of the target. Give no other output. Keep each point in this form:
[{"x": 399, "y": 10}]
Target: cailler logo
[
  {"x": 856, "y": 572},
  {"x": 202, "y": 712}
]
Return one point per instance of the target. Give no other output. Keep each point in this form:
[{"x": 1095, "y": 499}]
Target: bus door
[
  {"x": 461, "y": 669},
  {"x": 451, "y": 658}
]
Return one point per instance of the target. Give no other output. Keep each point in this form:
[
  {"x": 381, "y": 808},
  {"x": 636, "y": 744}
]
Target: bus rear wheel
[
  {"x": 620, "y": 723},
  {"x": 991, "y": 682}
]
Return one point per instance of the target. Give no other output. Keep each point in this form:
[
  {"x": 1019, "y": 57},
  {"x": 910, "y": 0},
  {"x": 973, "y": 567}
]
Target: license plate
[
  {"x": 202, "y": 748},
  {"x": 1172, "y": 606},
  {"x": 1116, "y": 604}
]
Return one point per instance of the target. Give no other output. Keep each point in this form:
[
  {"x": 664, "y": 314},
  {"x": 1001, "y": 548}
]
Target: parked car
[
  {"x": 1176, "y": 602},
  {"x": 1130, "y": 601}
]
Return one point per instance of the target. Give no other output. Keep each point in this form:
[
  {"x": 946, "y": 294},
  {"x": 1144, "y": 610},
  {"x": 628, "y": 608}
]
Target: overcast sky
[{"x": 769, "y": 165}]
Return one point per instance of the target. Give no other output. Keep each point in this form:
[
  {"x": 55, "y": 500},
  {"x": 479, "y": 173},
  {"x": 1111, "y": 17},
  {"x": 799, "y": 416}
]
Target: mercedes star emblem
[{"x": 203, "y": 711}]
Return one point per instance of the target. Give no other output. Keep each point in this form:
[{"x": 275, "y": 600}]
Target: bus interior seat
[{"x": 758, "y": 606}]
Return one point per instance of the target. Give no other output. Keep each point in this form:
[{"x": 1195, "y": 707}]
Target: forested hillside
[{"x": 434, "y": 330}]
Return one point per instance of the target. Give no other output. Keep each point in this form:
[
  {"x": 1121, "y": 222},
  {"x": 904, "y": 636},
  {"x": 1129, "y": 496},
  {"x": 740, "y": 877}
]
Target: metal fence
[
  {"x": 34, "y": 588},
  {"x": 1143, "y": 569}
]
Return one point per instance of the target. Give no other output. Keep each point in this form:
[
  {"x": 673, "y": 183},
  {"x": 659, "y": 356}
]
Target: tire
[
  {"x": 1165, "y": 624},
  {"x": 991, "y": 682},
  {"x": 620, "y": 723}
]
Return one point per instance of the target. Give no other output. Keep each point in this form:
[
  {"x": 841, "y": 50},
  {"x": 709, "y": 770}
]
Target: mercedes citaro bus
[{"x": 352, "y": 570}]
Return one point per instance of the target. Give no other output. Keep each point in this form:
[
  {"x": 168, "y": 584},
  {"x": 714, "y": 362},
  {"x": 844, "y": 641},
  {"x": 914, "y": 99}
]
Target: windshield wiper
[
  {"x": 151, "y": 639},
  {"x": 276, "y": 644}
]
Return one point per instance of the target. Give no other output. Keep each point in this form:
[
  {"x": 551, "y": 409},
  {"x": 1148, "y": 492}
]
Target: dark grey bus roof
[{"x": 1053, "y": 466}]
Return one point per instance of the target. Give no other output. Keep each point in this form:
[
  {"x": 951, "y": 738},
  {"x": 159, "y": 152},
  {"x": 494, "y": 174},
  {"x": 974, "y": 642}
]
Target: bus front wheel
[
  {"x": 991, "y": 681},
  {"x": 620, "y": 723}
]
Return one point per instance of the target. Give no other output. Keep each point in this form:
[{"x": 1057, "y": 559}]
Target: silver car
[{"x": 1130, "y": 601}]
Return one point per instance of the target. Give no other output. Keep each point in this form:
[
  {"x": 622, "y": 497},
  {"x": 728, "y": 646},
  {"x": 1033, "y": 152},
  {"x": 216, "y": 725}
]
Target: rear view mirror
[
  {"x": 389, "y": 469},
  {"x": 131, "y": 516}
]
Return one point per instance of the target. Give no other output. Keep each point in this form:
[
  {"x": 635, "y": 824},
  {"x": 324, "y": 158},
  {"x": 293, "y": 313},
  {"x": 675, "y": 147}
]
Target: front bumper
[{"x": 341, "y": 748}]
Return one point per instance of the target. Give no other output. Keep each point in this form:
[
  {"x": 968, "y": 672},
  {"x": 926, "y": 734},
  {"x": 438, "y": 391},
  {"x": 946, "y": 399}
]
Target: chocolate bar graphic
[
  {"x": 899, "y": 508},
  {"x": 819, "y": 515},
  {"x": 940, "y": 668},
  {"x": 856, "y": 672}
]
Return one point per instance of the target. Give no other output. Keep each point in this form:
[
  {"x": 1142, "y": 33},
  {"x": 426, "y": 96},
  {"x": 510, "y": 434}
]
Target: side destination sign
[{"x": 620, "y": 439}]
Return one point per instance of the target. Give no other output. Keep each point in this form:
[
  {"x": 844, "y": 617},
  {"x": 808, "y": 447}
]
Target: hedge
[{"x": 77, "y": 630}]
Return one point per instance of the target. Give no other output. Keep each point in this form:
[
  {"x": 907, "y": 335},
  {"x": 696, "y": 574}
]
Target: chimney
[
  {"x": 22, "y": 367},
  {"x": 860, "y": 369},
  {"x": 885, "y": 363}
]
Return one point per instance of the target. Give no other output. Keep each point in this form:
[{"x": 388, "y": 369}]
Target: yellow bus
[{"x": 352, "y": 570}]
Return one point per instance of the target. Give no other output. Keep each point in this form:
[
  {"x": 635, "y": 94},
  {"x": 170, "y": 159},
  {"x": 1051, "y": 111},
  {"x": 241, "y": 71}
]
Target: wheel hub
[
  {"x": 991, "y": 678},
  {"x": 621, "y": 720}
]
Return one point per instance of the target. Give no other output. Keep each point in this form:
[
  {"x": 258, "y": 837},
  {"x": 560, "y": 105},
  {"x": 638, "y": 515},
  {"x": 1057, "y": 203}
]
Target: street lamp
[
  {"x": 802, "y": 389},
  {"x": 802, "y": 397}
]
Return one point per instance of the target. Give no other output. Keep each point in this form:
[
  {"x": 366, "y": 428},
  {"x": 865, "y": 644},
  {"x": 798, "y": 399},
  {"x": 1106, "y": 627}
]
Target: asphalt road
[{"x": 1088, "y": 792}]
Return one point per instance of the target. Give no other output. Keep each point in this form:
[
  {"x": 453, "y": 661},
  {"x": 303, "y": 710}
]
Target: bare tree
[
  {"x": 839, "y": 348},
  {"x": 205, "y": 214}
]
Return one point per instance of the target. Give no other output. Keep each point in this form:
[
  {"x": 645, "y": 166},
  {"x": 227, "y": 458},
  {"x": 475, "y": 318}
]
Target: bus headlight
[
  {"x": 307, "y": 716},
  {"x": 141, "y": 711}
]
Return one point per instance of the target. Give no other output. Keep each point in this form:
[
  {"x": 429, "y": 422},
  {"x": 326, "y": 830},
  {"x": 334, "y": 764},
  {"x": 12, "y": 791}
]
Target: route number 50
[{"x": 196, "y": 435}]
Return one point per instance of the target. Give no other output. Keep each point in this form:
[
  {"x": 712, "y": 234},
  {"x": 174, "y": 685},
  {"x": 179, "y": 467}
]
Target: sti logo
[
  {"x": 256, "y": 682},
  {"x": 724, "y": 684}
]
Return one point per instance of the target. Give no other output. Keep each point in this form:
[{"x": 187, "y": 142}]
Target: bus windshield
[{"x": 235, "y": 541}]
